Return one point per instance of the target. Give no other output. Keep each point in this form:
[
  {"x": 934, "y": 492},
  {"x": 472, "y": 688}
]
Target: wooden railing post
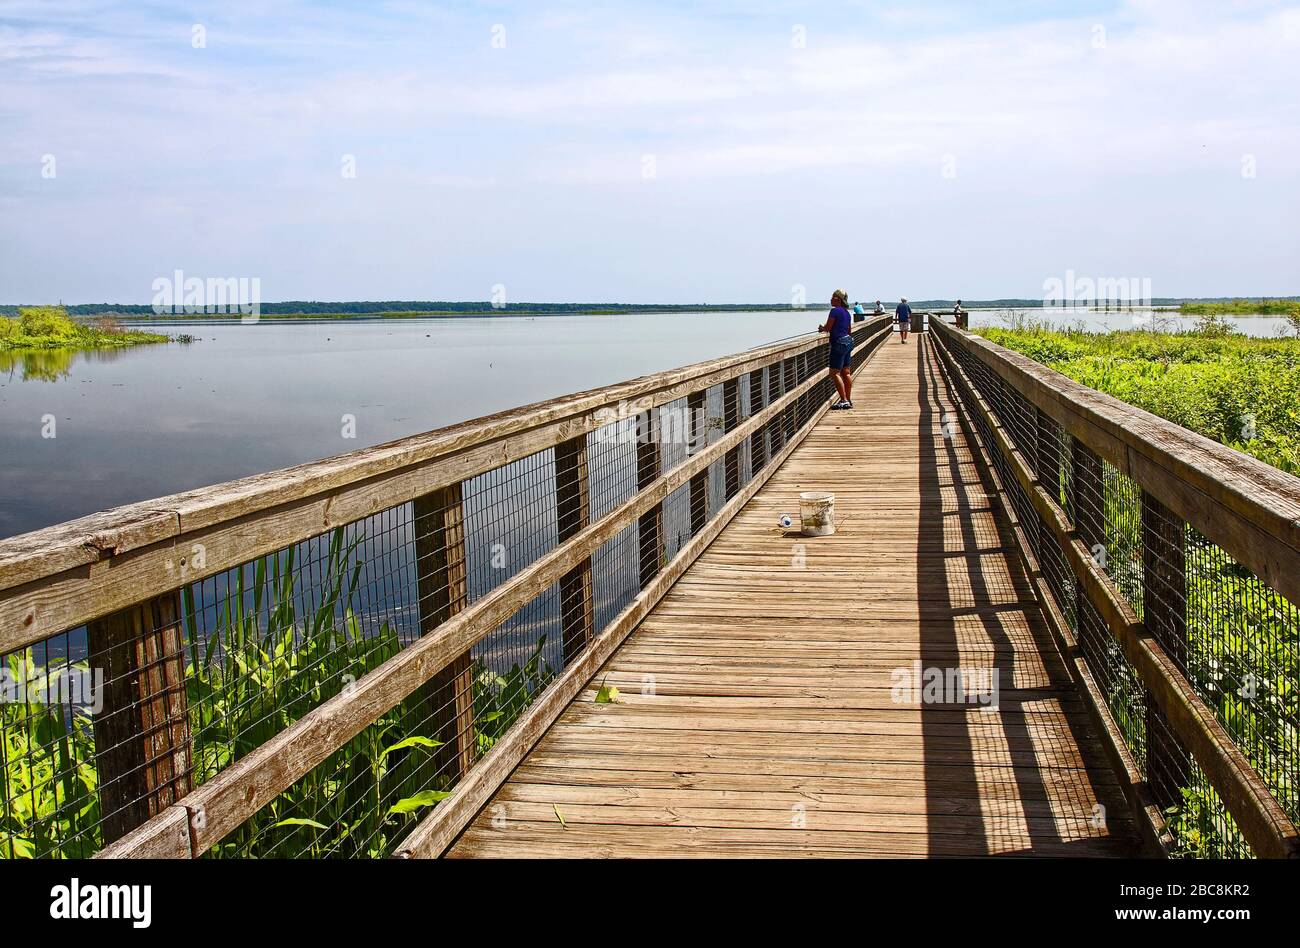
[
  {"x": 1048, "y": 461},
  {"x": 1047, "y": 467},
  {"x": 776, "y": 388},
  {"x": 441, "y": 583},
  {"x": 800, "y": 373},
  {"x": 141, "y": 730},
  {"x": 650, "y": 523},
  {"x": 572, "y": 513},
  {"x": 790, "y": 374},
  {"x": 1087, "y": 504},
  {"x": 730, "y": 419},
  {"x": 699, "y": 490},
  {"x": 1164, "y": 614},
  {"x": 758, "y": 440}
]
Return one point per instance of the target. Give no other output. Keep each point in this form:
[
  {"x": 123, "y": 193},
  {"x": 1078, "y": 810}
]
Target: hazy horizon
[{"x": 665, "y": 153}]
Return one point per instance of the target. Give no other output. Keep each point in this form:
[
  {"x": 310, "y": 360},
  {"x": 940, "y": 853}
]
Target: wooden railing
[
  {"x": 1169, "y": 566},
  {"x": 329, "y": 659}
]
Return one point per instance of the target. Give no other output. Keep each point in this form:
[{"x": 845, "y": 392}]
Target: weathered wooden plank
[
  {"x": 1164, "y": 615},
  {"x": 650, "y": 525},
  {"x": 142, "y": 735},
  {"x": 573, "y": 513},
  {"x": 441, "y": 571}
]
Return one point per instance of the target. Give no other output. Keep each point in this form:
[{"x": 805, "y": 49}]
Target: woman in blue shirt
[{"x": 840, "y": 326}]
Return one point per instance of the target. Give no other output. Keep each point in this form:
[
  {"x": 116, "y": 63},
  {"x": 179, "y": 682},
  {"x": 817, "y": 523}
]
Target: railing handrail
[
  {"x": 1120, "y": 433},
  {"x": 209, "y": 812},
  {"x": 49, "y": 578},
  {"x": 1244, "y": 505}
]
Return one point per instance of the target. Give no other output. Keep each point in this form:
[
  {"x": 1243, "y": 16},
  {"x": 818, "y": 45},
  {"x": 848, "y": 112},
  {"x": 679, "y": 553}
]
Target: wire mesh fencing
[{"x": 1234, "y": 637}]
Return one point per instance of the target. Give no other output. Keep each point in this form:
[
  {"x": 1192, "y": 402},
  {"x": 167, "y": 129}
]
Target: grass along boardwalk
[{"x": 771, "y": 727}]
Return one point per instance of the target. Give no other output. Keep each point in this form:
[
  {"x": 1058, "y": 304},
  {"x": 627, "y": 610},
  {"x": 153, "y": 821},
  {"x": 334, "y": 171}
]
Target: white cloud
[{"x": 256, "y": 123}]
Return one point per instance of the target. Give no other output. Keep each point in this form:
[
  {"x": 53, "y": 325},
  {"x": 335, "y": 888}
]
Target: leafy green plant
[
  {"x": 47, "y": 757},
  {"x": 274, "y": 652},
  {"x": 500, "y": 699}
]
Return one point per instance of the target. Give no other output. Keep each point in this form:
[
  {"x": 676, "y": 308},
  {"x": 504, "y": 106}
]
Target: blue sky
[{"x": 710, "y": 151}]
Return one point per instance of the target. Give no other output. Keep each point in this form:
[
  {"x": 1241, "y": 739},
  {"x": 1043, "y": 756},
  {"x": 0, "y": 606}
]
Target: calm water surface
[{"x": 151, "y": 420}]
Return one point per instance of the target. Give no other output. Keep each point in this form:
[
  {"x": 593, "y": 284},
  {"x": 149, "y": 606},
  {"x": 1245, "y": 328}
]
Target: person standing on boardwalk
[
  {"x": 839, "y": 324},
  {"x": 904, "y": 316}
]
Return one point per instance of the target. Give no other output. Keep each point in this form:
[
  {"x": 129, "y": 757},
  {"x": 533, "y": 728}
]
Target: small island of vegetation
[
  {"x": 1289, "y": 309},
  {"x": 50, "y": 327}
]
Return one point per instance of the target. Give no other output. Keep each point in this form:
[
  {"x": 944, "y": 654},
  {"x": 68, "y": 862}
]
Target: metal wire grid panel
[
  {"x": 106, "y": 725},
  {"x": 1235, "y": 638}
]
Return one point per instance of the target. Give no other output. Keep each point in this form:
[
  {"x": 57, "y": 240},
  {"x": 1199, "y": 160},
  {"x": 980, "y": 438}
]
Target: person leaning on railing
[{"x": 839, "y": 323}]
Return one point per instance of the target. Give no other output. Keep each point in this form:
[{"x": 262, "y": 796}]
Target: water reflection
[
  {"x": 51, "y": 365},
  {"x": 38, "y": 365}
]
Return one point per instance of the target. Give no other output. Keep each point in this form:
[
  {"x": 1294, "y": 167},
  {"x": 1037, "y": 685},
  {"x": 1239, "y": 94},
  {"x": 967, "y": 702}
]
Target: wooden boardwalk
[{"x": 758, "y": 712}]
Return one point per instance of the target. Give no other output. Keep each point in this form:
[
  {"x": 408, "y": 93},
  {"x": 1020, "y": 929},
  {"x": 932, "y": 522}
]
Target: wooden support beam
[
  {"x": 1249, "y": 508},
  {"x": 730, "y": 420},
  {"x": 790, "y": 373},
  {"x": 699, "y": 489},
  {"x": 573, "y": 512},
  {"x": 1164, "y": 614},
  {"x": 1047, "y": 465},
  {"x": 649, "y": 460},
  {"x": 1087, "y": 506},
  {"x": 758, "y": 440},
  {"x": 441, "y": 584},
  {"x": 141, "y": 731}
]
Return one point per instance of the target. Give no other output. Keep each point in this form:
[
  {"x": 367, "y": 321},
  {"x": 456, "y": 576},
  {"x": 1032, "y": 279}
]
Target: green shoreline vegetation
[
  {"x": 1243, "y": 392},
  {"x": 1290, "y": 309},
  {"x": 50, "y": 327}
]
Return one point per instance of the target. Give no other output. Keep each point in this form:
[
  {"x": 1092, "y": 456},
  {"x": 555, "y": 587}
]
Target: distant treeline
[{"x": 484, "y": 307}]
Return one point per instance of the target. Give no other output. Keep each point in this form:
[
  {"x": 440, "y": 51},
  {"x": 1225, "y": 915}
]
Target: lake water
[
  {"x": 138, "y": 423},
  {"x": 152, "y": 420}
]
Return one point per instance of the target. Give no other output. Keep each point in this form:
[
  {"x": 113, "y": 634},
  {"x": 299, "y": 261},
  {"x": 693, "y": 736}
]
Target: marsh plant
[{"x": 275, "y": 651}]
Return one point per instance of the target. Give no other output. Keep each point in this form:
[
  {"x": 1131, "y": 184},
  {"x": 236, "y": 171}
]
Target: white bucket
[{"x": 817, "y": 513}]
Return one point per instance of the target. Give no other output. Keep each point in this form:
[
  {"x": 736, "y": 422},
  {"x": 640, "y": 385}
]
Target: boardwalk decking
[{"x": 756, "y": 716}]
